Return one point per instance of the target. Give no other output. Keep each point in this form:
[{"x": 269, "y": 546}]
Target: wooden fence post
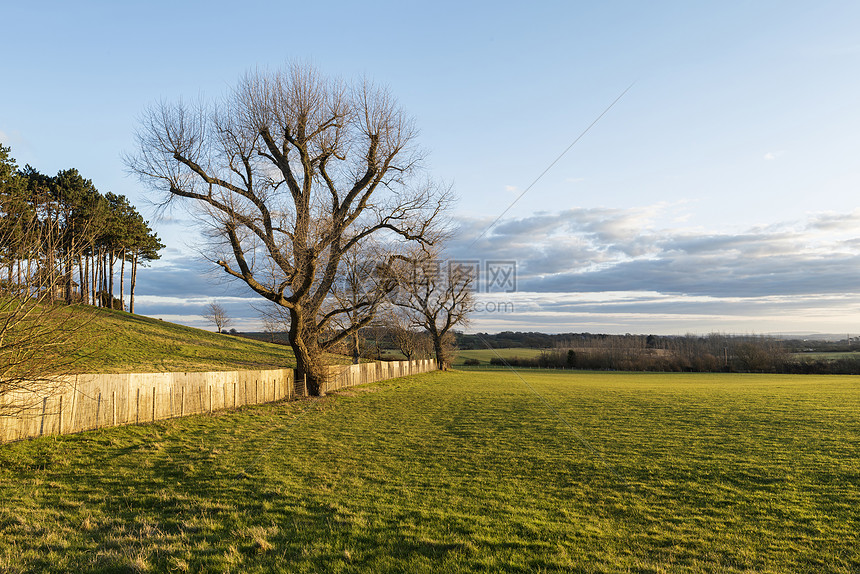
[
  {"x": 137, "y": 410},
  {"x": 44, "y": 414},
  {"x": 113, "y": 407},
  {"x": 153, "y": 403}
]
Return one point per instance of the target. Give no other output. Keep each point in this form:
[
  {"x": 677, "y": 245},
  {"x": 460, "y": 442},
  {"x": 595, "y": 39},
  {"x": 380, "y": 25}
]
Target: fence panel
[{"x": 93, "y": 401}]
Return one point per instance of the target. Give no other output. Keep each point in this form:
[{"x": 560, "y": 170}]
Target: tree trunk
[
  {"x": 133, "y": 282},
  {"x": 51, "y": 279},
  {"x": 441, "y": 361},
  {"x": 69, "y": 273},
  {"x": 112, "y": 260},
  {"x": 122, "y": 281},
  {"x": 100, "y": 284},
  {"x": 49, "y": 258},
  {"x": 82, "y": 276},
  {"x": 307, "y": 357},
  {"x": 94, "y": 279},
  {"x": 97, "y": 267},
  {"x": 104, "y": 273},
  {"x": 355, "y": 347}
]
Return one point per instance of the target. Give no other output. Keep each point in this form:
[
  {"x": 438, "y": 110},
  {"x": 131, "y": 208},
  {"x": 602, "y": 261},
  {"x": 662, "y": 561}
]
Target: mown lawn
[{"x": 460, "y": 472}]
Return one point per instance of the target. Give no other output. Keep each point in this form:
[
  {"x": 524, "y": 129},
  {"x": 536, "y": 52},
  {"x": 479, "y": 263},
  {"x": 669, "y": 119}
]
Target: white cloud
[
  {"x": 511, "y": 188},
  {"x": 772, "y": 155}
]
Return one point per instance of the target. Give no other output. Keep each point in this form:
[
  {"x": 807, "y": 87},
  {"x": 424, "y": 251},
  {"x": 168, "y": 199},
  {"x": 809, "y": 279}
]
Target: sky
[{"x": 716, "y": 195}]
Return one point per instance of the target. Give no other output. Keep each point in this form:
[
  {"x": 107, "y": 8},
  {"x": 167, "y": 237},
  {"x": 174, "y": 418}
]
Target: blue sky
[{"x": 719, "y": 194}]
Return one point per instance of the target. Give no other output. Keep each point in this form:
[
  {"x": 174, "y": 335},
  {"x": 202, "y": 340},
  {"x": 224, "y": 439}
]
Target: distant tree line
[
  {"x": 508, "y": 339},
  {"x": 66, "y": 240},
  {"x": 535, "y": 340},
  {"x": 689, "y": 353}
]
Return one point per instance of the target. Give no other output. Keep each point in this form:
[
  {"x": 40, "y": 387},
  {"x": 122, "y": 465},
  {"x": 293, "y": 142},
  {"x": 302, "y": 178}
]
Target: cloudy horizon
[{"x": 635, "y": 270}]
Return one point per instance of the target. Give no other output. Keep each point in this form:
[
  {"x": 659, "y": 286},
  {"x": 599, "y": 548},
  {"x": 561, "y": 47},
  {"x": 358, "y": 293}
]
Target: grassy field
[
  {"x": 484, "y": 355},
  {"x": 459, "y": 472},
  {"x": 116, "y": 342}
]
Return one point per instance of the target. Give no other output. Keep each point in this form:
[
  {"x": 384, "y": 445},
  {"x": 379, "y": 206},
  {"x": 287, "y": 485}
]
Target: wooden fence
[{"x": 86, "y": 402}]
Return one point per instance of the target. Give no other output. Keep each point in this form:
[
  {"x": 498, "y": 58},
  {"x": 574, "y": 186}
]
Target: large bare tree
[
  {"x": 436, "y": 295},
  {"x": 292, "y": 170}
]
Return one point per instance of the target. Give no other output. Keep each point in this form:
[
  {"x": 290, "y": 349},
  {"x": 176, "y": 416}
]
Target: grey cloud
[
  {"x": 603, "y": 250},
  {"x": 719, "y": 278},
  {"x": 185, "y": 285}
]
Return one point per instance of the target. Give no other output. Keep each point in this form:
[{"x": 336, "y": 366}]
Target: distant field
[
  {"x": 828, "y": 356},
  {"x": 484, "y": 355},
  {"x": 460, "y": 472}
]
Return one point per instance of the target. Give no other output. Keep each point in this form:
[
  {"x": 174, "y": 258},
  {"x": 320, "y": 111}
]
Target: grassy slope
[
  {"x": 117, "y": 342},
  {"x": 460, "y": 472}
]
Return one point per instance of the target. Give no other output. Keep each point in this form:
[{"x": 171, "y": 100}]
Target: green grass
[
  {"x": 459, "y": 472},
  {"x": 112, "y": 341},
  {"x": 484, "y": 355}
]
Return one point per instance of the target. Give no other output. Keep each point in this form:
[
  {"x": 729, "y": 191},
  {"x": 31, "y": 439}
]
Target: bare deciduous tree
[
  {"x": 292, "y": 171},
  {"x": 216, "y": 315},
  {"x": 363, "y": 284},
  {"x": 436, "y": 295},
  {"x": 270, "y": 327},
  {"x": 413, "y": 342}
]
